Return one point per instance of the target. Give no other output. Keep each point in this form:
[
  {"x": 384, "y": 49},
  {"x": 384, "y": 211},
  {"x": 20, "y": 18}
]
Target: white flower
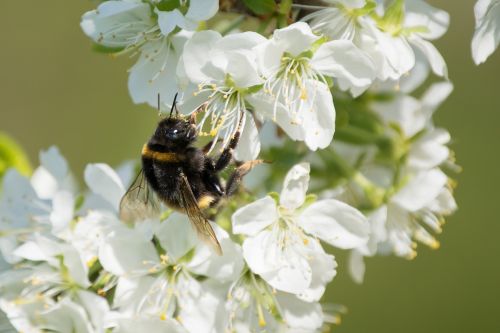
[
  {"x": 254, "y": 306},
  {"x": 225, "y": 72},
  {"x": 130, "y": 26},
  {"x": 43, "y": 202},
  {"x": 296, "y": 65},
  {"x": 487, "y": 34},
  {"x": 161, "y": 282},
  {"x": 388, "y": 40},
  {"x": 427, "y": 145},
  {"x": 281, "y": 246},
  {"x": 410, "y": 214}
]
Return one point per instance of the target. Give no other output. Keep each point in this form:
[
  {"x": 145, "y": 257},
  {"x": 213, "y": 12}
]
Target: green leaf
[
  {"x": 12, "y": 156},
  {"x": 168, "y": 5},
  {"x": 261, "y": 7}
]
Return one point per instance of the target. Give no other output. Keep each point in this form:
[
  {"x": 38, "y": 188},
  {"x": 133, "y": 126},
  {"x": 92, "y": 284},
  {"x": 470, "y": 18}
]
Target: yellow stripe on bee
[
  {"x": 159, "y": 156},
  {"x": 205, "y": 201}
]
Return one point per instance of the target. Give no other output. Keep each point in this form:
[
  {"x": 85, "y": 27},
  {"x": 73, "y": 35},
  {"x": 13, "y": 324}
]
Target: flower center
[
  {"x": 288, "y": 86},
  {"x": 223, "y": 110}
]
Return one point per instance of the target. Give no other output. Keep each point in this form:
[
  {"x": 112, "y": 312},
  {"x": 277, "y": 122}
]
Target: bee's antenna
[
  {"x": 159, "y": 108},
  {"x": 174, "y": 106}
]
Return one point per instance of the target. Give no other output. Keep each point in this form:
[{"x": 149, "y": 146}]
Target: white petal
[
  {"x": 263, "y": 104},
  {"x": 421, "y": 14},
  {"x": 318, "y": 115},
  {"x": 430, "y": 150},
  {"x": 435, "y": 58},
  {"x": 296, "y": 38},
  {"x": 176, "y": 235},
  {"x": 295, "y": 186},
  {"x": 487, "y": 35},
  {"x": 421, "y": 190},
  {"x": 154, "y": 73},
  {"x": 65, "y": 316},
  {"x": 97, "y": 307},
  {"x": 343, "y": 60},
  {"x": 300, "y": 314},
  {"x": 54, "y": 162},
  {"x": 284, "y": 268},
  {"x": 241, "y": 67},
  {"x": 103, "y": 180},
  {"x": 62, "y": 211},
  {"x": 249, "y": 145},
  {"x": 404, "y": 111},
  {"x": 168, "y": 21},
  {"x": 357, "y": 266},
  {"x": 201, "y": 10},
  {"x": 436, "y": 94},
  {"x": 336, "y": 223},
  {"x": 117, "y": 23},
  {"x": 195, "y": 55},
  {"x": 126, "y": 253},
  {"x": 269, "y": 56},
  {"x": 323, "y": 268},
  {"x": 254, "y": 217},
  {"x": 223, "y": 268}
]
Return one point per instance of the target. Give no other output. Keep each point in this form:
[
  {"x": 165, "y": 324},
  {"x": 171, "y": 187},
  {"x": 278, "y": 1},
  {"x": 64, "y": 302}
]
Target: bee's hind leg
[{"x": 237, "y": 176}]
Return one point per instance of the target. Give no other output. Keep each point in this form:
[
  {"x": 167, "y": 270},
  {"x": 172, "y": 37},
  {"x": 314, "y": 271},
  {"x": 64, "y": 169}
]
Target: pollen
[
  {"x": 303, "y": 94},
  {"x": 435, "y": 245},
  {"x": 163, "y": 316},
  {"x": 101, "y": 292}
]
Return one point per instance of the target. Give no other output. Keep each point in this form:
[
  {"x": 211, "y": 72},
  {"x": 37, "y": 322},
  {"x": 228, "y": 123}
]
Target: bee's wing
[
  {"x": 139, "y": 202},
  {"x": 198, "y": 221}
]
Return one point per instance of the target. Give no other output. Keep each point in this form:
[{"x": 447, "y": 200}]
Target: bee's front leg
[
  {"x": 227, "y": 154},
  {"x": 238, "y": 174}
]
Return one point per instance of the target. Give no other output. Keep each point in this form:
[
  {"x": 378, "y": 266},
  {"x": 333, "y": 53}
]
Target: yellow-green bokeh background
[{"x": 55, "y": 90}]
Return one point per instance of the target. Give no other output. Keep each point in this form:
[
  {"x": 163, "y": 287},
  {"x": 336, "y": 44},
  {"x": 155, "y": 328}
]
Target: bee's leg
[
  {"x": 238, "y": 174},
  {"x": 227, "y": 154}
]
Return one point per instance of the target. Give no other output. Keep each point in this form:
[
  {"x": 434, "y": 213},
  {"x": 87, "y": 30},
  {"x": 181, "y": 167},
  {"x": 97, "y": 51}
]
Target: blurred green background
[{"x": 55, "y": 90}]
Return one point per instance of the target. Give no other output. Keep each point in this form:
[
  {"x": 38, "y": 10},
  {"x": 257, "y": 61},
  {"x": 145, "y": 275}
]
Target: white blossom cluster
[{"x": 327, "y": 91}]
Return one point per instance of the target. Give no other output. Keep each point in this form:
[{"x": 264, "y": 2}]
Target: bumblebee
[{"x": 182, "y": 176}]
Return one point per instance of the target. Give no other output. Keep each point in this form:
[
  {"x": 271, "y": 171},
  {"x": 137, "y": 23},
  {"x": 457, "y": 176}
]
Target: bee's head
[{"x": 175, "y": 132}]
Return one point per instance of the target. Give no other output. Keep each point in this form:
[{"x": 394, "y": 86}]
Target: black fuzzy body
[{"x": 166, "y": 158}]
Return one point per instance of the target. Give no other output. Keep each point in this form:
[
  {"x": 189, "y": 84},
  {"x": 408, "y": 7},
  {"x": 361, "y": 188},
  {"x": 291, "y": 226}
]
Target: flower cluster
[{"x": 325, "y": 92}]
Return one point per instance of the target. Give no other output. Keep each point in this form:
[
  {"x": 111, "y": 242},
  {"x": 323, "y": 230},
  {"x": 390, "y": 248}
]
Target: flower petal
[
  {"x": 299, "y": 314},
  {"x": 421, "y": 190},
  {"x": 341, "y": 59},
  {"x": 487, "y": 35},
  {"x": 283, "y": 267},
  {"x": 154, "y": 74},
  {"x": 223, "y": 268},
  {"x": 103, "y": 181},
  {"x": 176, "y": 235},
  {"x": 168, "y": 21},
  {"x": 201, "y": 10},
  {"x": 117, "y": 23},
  {"x": 336, "y": 223},
  {"x": 295, "y": 186},
  {"x": 254, "y": 217},
  {"x": 318, "y": 115},
  {"x": 432, "y": 54},
  {"x": 126, "y": 252},
  {"x": 296, "y": 38},
  {"x": 195, "y": 54},
  {"x": 249, "y": 145}
]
